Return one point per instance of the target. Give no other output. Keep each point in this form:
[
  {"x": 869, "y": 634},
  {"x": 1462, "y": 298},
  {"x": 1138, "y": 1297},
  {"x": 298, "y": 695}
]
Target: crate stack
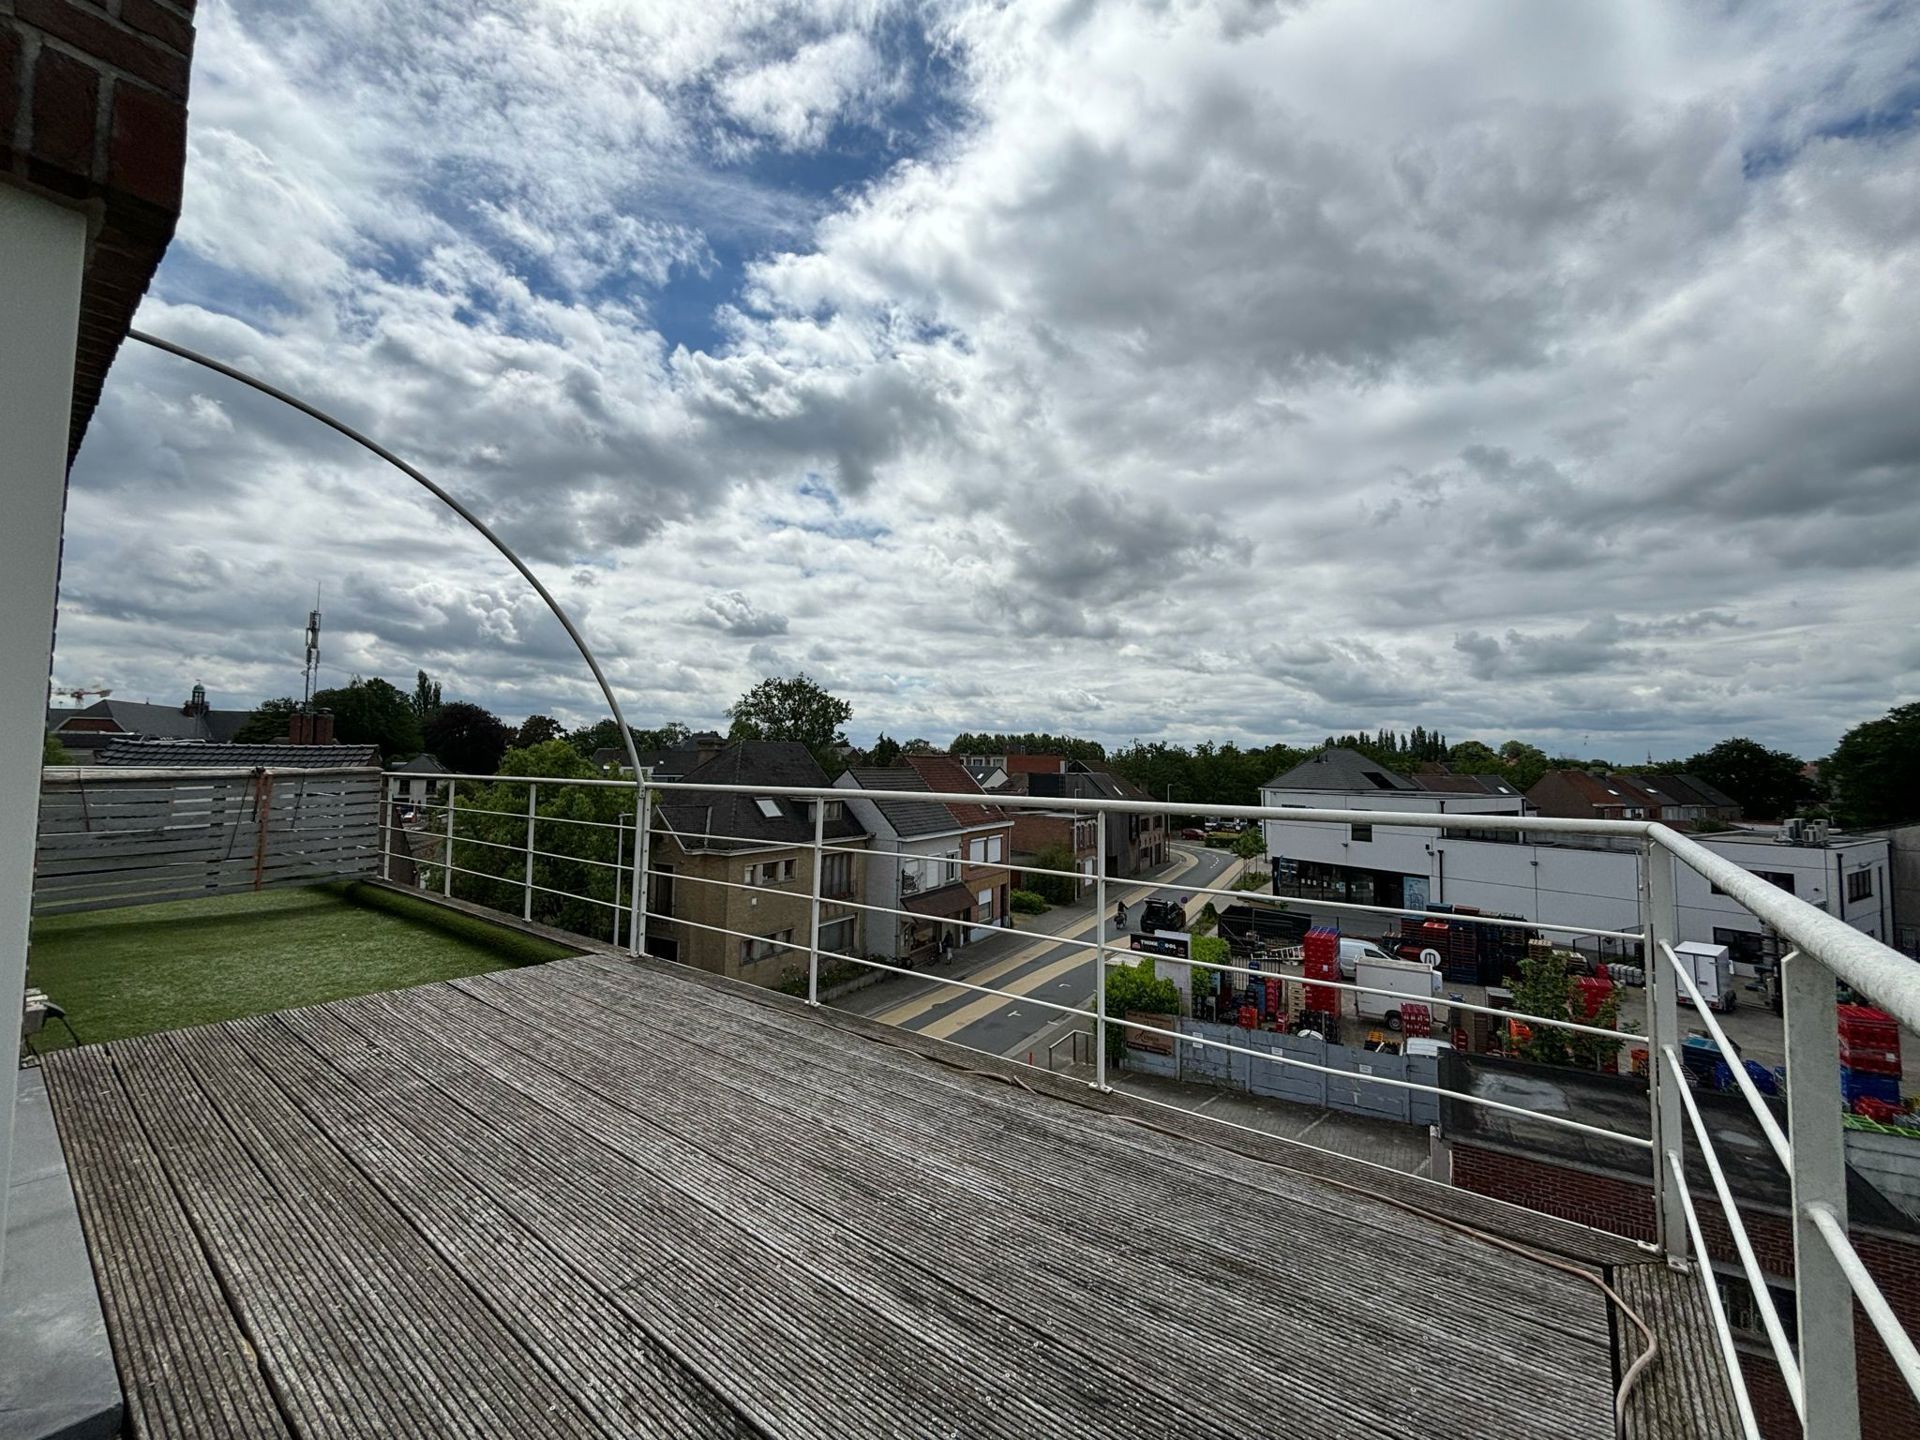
[
  {"x": 1592, "y": 991},
  {"x": 1322, "y": 953},
  {"x": 1869, "y": 1056}
]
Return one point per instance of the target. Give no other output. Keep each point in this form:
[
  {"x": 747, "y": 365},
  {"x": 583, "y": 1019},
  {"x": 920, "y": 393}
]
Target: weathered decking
[{"x": 599, "y": 1199}]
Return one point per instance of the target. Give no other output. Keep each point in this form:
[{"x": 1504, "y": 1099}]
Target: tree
[
  {"x": 1471, "y": 757},
  {"x": 1768, "y": 784},
  {"x": 426, "y": 696},
  {"x": 1874, "y": 771},
  {"x": 885, "y": 751},
  {"x": 605, "y": 735},
  {"x": 969, "y": 742},
  {"x": 537, "y": 730},
  {"x": 268, "y": 722},
  {"x": 466, "y": 739},
  {"x": 793, "y": 708},
  {"x": 1546, "y": 990},
  {"x": 917, "y": 746},
  {"x": 52, "y": 752},
  {"x": 1136, "y": 987},
  {"x": 1250, "y": 844},
  {"x": 373, "y": 712},
  {"x": 1054, "y": 889}
]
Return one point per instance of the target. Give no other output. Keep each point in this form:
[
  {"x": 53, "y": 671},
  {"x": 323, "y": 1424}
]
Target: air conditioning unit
[
  {"x": 1789, "y": 832},
  {"x": 1814, "y": 832}
]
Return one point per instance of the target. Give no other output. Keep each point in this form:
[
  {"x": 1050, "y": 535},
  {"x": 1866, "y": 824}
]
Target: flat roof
[{"x": 596, "y": 1197}]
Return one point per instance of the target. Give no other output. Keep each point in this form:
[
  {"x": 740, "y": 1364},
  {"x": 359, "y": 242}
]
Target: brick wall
[
  {"x": 1623, "y": 1205},
  {"x": 93, "y": 113}
]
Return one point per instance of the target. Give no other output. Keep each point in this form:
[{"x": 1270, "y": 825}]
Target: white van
[{"x": 1352, "y": 952}]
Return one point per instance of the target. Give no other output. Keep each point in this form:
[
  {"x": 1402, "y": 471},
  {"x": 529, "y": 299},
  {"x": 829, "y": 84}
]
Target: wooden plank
[
  {"x": 186, "y": 1363},
  {"x": 1685, "y": 1393}
]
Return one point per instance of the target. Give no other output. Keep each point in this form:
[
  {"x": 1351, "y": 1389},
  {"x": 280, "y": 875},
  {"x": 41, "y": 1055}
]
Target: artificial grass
[{"x": 190, "y": 962}]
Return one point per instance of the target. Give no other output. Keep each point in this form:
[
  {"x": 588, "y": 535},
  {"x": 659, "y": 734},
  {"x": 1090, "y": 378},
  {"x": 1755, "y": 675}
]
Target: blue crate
[
  {"x": 1858, "y": 1084},
  {"x": 1762, "y": 1078}
]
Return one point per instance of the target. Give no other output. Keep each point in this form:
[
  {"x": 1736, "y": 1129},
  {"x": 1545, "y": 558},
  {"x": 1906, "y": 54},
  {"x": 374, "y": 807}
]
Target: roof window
[{"x": 769, "y": 807}]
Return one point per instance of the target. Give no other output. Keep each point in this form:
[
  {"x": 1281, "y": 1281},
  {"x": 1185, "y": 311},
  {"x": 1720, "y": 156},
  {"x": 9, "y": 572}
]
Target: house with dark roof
[
  {"x": 986, "y": 856},
  {"x": 1584, "y": 795},
  {"x": 922, "y": 867},
  {"x": 1135, "y": 843},
  {"x": 1037, "y": 832},
  {"x": 95, "y": 726},
  {"x": 419, "y": 781},
  {"x": 732, "y": 877}
]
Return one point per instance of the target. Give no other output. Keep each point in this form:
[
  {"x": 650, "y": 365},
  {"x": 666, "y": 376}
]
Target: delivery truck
[
  {"x": 1711, "y": 968},
  {"x": 1406, "y": 977}
]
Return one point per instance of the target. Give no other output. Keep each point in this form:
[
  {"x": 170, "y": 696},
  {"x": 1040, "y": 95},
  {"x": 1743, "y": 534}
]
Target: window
[
  {"x": 786, "y": 869},
  {"x": 1860, "y": 885},
  {"x": 839, "y": 936},
  {"x": 994, "y": 853},
  {"x": 1360, "y": 832},
  {"x": 769, "y": 807},
  {"x": 985, "y": 897},
  {"x": 752, "y": 952},
  {"x": 1744, "y": 946},
  {"x": 1782, "y": 878},
  {"x": 660, "y": 890},
  {"x": 836, "y": 875},
  {"x": 976, "y": 850}
]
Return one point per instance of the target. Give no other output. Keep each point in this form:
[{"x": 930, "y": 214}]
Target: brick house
[
  {"x": 731, "y": 879},
  {"x": 985, "y": 856},
  {"x": 1037, "y": 830},
  {"x": 1135, "y": 843},
  {"x": 1671, "y": 799},
  {"x": 1594, "y": 1182}
]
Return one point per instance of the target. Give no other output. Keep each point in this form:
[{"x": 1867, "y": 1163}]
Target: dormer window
[{"x": 769, "y": 807}]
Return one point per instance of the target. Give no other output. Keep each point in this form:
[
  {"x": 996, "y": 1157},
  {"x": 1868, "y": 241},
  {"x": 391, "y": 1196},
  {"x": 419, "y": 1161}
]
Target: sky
[{"x": 1202, "y": 369}]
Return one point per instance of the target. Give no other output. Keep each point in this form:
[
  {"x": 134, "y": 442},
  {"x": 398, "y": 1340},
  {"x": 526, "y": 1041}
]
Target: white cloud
[{"x": 1211, "y": 369}]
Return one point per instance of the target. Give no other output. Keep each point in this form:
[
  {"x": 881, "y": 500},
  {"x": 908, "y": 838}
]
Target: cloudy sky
[{"x": 1204, "y": 368}]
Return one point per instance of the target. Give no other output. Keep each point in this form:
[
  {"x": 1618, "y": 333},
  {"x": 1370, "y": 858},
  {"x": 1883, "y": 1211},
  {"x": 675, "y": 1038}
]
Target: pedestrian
[{"x": 1120, "y": 914}]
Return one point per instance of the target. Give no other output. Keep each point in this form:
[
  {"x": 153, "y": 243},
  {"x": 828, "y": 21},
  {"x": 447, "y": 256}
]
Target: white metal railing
[{"x": 1820, "y": 1373}]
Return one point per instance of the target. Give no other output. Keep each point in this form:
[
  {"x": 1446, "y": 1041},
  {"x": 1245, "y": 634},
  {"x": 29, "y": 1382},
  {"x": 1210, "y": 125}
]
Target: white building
[
  {"x": 925, "y": 860},
  {"x": 1571, "y": 880}
]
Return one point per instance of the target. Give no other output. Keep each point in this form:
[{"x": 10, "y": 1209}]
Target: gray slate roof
[
  {"x": 908, "y": 817},
  {"x": 186, "y": 755},
  {"x": 1339, "y": 770},
  {"x": 158, "y": 722},
  {"x": 738, "y": 818},
  {"x": 422, "y": 764}
]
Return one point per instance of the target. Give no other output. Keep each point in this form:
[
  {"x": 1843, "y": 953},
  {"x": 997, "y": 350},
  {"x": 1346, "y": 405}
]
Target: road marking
[{"x": 907, "y": 1011}]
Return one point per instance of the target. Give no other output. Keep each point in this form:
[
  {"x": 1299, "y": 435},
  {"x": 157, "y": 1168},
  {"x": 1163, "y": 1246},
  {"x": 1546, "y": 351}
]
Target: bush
[
  {"x": 1026, "y": 902},
  {"x": 1210, "y": 950},
  {"x": 1054, "y": 889},
  {"x": 1136, "y": 987}
]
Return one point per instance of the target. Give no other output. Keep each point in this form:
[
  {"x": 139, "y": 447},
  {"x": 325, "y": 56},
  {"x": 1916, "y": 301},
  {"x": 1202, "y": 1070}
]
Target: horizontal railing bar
[
  {"x": 723, "y": 930},
  {"x": 1776, "y": 1137},
  {"x": 1348, "y": 905},
  {"x": 1749, "y": 1262},
  {"x": 1723, "y": 1332},
  {"x": 460, "y": 839},
  {"x": 1866, "y": 965},
  {"x": 516, "y": 883},
  {"x": 1625, "y": 1036},
  {"x": 1183, "y": 1038},
  {"x": 1036, "y": 935},
  {"x": 1886, "y": 1324}
]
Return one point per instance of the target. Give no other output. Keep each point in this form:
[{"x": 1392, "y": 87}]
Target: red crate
[
  {"x": 1870, "y": 1059},
  {"x": 1415, "y": 1019},
  {"x": 1864, "y": 1025},
  {"x": 1320, "y": 998},
  {"x": 1249, "y": 1017}
]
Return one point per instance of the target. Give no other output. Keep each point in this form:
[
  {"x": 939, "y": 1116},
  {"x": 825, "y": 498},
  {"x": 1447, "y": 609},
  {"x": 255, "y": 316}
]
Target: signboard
[
  {"x": 1145, "y": 1040},
  {"x": 1162, "y": 942},
  {"x": 1413, "y": 892}
]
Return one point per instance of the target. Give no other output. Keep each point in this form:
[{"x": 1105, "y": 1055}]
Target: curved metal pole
[{"x": 626, "y": 735}]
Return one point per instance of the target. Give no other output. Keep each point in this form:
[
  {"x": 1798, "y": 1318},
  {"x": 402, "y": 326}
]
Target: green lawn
[{"x": 190, "y": 962}]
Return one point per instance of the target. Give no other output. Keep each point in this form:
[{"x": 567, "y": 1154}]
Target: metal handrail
[{"x": 1768, "y": 1125}]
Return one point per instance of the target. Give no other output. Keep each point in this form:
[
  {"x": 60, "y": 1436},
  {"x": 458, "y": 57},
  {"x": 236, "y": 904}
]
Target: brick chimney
[
  {"x": 313, "y": 727},
  {"x": 93, "y": 115}
]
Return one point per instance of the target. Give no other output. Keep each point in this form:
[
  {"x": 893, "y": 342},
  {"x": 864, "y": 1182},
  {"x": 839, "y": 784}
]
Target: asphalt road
[{"x": 1029, "y": 964}]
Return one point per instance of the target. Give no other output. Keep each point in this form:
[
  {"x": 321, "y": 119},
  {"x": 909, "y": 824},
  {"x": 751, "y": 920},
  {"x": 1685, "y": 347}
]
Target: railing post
[
  {"x": 1663, "y": 1028},
  {"x": 1100, "y": 951},
  {"x": 642, "y": 852},
  {"x": 819, "y": 863},
  {"x": 1822, "y": 1296},
  {"x": 533, "y": 796},
  {"x": 619, "y": 870},
  {"x": 447, "y": 879},
  {"x": 386, "y": 827}
]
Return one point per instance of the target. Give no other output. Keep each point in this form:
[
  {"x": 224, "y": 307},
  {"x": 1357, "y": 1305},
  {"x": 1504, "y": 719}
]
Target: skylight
[{"x": 769, "y": 807}]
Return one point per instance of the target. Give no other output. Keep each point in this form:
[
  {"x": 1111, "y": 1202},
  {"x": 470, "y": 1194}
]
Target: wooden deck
[{"x": 594, "y": 1198}]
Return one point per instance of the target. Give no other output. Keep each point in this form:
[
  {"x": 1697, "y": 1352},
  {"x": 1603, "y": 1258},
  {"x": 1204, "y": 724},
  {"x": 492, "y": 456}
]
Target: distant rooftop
[
  {"x": 1337, "y": 769},
  {"x": 182, "y": 754}
]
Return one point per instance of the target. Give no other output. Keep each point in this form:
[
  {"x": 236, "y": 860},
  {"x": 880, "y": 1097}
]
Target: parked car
[
  {"x": 1193, "y": 832},
  {"x": 1162, "y": 915}
]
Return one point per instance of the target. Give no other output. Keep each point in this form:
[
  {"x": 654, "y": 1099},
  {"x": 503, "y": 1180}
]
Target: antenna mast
[{"x": 313, "y": 652}]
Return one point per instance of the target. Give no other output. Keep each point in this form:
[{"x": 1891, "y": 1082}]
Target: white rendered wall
[{"x": 42, "y": 257}]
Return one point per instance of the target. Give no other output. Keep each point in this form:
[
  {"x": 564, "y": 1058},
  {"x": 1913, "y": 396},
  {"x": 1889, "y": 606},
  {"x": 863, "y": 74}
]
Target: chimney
[
  {"x": 311, "y": 727},
  {"x": 705, "y": 745}
]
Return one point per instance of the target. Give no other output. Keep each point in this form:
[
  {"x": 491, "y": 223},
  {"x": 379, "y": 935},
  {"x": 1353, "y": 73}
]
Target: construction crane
[{"x": 79, "y": 697}]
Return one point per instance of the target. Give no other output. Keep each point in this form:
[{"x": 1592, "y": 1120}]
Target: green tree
[
  {"x": 373, "y": 712},
  {"x": 885, "y": 751},
  {"x": 537, "y": 730},
  {"x": 1054, "y": 889},
  {"x": 466, "y": 739},
  {"x": 426, "y": 697},
  {"x": 1210, "y": 950},
  {"x": 1523, "y": 764},
  {"x": 52, "y": 752},
  {"x": 578, "y": 886},
  {"x": 1874, "y": 772},
  {"x": 1250, "y": 844},
  {"x": 1033, "y": 742},
  {"x": 1545, "y": 989},
  {"x": 793, "y": 708},
  {"x": 605, "y": 735},
  {"x": 918, "y": 746},
  {"x": 267, "y": 723},
  {"x": 1768, "y": 784}
]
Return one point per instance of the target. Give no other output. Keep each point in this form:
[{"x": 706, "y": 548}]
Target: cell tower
[{"x": 313, "y": 652}]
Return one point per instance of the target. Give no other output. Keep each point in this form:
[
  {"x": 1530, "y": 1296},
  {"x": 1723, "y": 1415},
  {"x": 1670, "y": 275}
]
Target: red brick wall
[
  {"x": 1625, "y": 1206},
  {"x": 93, "y": 111}
]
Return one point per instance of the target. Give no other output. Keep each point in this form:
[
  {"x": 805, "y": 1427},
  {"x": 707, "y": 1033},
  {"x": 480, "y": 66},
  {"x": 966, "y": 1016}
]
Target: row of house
[{"x": 1570, "y": 880}]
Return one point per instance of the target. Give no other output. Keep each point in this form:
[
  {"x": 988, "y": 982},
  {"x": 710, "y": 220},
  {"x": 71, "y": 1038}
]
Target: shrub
[
  {"x": 1026, "y": 902},
  {"x": 1136, "y": 987},
  {"x": 1054, "y": 889},
  {"x": 1211, "y": 950}
]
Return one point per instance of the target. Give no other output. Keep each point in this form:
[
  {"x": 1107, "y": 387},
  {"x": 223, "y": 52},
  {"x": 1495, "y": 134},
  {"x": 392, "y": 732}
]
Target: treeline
[{"x": 969, "y": 742}]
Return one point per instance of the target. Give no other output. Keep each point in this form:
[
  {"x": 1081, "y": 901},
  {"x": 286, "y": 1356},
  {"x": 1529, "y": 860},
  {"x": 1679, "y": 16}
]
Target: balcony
[{"x": 618, "y": 1195}]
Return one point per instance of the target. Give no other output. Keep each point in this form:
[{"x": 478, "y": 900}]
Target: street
[{"x": 1031, "y": 961}]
